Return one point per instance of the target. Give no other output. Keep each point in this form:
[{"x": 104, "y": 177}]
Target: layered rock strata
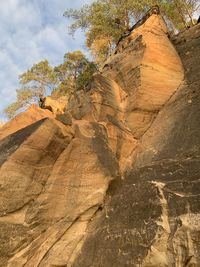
[
  {"x": 151, "y": 217},
  {"x": 112, "y": 181}
]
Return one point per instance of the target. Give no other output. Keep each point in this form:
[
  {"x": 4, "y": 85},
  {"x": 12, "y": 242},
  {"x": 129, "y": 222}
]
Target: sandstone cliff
[{"x": 113, "y": 181}]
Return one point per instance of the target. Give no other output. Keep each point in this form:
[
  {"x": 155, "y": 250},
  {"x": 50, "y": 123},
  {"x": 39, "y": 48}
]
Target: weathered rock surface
[
  {"x": 112, "y": 180},
  {"x": 57, "y": 106},
  {"x": 152, "y": 217},
  {"x": 22, "y": 120}
]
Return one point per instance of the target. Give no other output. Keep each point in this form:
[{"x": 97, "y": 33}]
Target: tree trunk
[
  {"x": 127, "y": 21},
  {"x": 189, "y": 13},
  {"x": 42, "y": 89},
  {"x": 181, "y": 14}
]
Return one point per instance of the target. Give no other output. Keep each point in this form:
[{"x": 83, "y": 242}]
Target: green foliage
[
  {"x": 65, "y": 88},
  {"x": 105, "y": 20},
  {"x": 74, "y": 74},
  {"x": 99, "y": 22},
  {"x": 84, "y": 78},
  {"x": 39, "y": 77},
  {"x": 10, "y": 111},
  {"x": 75, "y": 62},
  {"x": 24, "y": 97},
  {"x": 105, "y": 17},
  {"x": 179, "y": 13},
  {"x": 182, "y": 12},
  {"x": 61, "y": 72}
]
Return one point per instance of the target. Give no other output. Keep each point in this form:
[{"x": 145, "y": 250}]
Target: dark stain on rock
[
  {"x": 11, "y": 143},
  {"x": 105, "y": 155},
  {"x": 127, "y": 228}
]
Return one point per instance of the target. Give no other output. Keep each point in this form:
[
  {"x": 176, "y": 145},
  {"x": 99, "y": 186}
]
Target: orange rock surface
[{"x": 69, "y": 192}]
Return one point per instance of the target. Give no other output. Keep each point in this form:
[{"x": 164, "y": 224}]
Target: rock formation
[
  {"x": 56, "y": 105},
  {"x": 114, "y": 179}
]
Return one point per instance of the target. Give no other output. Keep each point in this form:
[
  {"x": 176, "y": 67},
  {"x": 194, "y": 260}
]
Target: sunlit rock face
[
  {"x": 56, "y": 105},
  {"x": 151, "y": 217},
  {"x": 146, "y": 66},
  {"x": 111, "y": 178},
  {"x": 33, "y": 114}
]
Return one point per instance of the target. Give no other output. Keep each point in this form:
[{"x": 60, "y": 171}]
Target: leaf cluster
[
  {"x": 73, "y": 74},
  {"x": 40, "y": 77},
  {"x": 35, "y": 82},
  {"x": 104, "y": 21},
  {"x": 24, "y": 97}
]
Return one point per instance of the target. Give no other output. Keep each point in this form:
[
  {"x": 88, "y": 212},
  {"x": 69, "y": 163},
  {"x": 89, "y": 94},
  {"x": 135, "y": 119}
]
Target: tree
[
  {"x": 85, "y": 76},
  {"x": 80, "y": 69},
  {"x": 75, "y": 62},
  {"x": 101, "y": 48},
  {"x": 61, "y": 72},
  {"x": 65, "y": 85},
  {"x": 74, "y": 74},
  {"x": 185, "y": 10},
  {"x": 40, "y": 77},
  {"x": 25, "y": 96},
  {"x": 104, "y": 21},
  {"x": 35, "y": 83},
  {"x": 99, "y": 21}
]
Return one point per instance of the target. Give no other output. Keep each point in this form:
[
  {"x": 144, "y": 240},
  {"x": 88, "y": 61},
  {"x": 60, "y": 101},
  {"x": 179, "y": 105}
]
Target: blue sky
[{"x": 32, "y": 30}]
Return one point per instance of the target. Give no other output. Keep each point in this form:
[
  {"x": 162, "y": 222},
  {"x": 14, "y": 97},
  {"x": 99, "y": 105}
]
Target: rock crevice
[{"x": 112, "y": 178}]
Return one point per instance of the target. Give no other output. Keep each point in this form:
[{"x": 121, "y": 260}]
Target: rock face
[
  {"x": 112, "y": 181},
  {"x": 23, "y": 120},
  {"x": 57, "y": 106}
]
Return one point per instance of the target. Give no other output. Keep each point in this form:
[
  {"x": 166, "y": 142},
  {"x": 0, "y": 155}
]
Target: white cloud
[{"x": 30, "y": 31}]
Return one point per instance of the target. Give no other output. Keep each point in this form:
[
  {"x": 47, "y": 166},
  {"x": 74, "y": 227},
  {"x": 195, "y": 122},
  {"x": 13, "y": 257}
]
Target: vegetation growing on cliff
[
  {"x": 105, "y": 20},
  {"x": 35, "y": 82},
  {"x": 72, "y": 75},
  {"x": 39, "y": 78}
]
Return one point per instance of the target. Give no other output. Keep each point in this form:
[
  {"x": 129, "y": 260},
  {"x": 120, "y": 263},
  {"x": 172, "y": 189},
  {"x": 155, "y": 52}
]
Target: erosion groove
[{"x": 110, "y": 177}]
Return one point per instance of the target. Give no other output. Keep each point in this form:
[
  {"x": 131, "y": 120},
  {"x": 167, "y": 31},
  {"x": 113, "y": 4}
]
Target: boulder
[{"x": 56, "y": 105}]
